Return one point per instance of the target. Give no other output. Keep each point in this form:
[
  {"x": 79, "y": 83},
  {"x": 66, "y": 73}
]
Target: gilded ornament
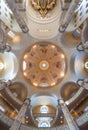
[{"x": 43, "y": 6}]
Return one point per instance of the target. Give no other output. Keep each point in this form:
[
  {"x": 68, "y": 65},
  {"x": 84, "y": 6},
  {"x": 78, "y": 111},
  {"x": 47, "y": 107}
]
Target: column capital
[
  {"x": 27, "y": 101},
  {"x": 9, "y": 82},
  {"x": 61, "y": 101},
  {"x": 3, "y": 46},
  {"x": 22, "y": 24},
  {"x": 4, "y": 84},
  {"x": 69, "y": 119},
  {"x": 83, "y": 83},
  {"x": 82, "y": 46},
  {"x": 68, "y": 16},
  {"x": 62, "y": 28},
  {"x": 85, "y": 45}
]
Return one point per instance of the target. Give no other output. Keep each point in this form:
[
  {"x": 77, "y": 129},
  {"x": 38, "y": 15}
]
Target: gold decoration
[{"x": 43, "y": 6}]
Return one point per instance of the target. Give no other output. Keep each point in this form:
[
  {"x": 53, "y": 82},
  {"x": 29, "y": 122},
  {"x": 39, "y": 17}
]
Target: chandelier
[{"x": 43, "y": 6}]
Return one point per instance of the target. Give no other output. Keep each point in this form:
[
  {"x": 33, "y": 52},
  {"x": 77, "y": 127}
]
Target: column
[
  {"x": 84, "y": 37},
  {"x": 68, "y": 16},
  {"x": 65, "y": 4},
  {"x": 83, "y": 83},
  {"x": 70, "y": 121},
  {"x": 4, "y": 85},
  {"x": 83, "y": 46},
  {"x": 3, "y": 46},
  {"x": 20, "y": 20},
  {"x": 17, "y": 122}
]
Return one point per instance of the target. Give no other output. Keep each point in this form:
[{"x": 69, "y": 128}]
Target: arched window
[
  {"x": 2, "y": 109},
  {"x": 44, "y": 109},
  {"x": 44, "y": 124}
]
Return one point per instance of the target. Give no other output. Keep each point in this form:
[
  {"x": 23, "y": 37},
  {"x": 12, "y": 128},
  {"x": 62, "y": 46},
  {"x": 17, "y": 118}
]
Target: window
[
  {"x": 44, "y": 124},
  {"x": 44, "y": 109},
  {"x": 2, "y": 109},
  {"x": 86, "y": 108}
]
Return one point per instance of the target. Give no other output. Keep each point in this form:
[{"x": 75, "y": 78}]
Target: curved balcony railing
[
  {"x": 8, "y": 121},
  {"x": 44, "y": 115}
]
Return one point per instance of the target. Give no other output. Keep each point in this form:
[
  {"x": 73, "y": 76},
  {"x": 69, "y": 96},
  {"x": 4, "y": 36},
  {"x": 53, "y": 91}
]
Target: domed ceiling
[{"x": 44, "y": 64}]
